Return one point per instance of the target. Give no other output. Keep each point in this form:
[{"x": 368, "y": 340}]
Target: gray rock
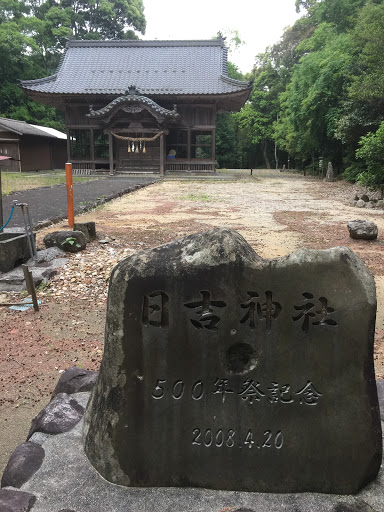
[
  {"x": 353, "y": 203},
  {"x": 243, "y": 366},
  {"x": 380, "y": 203},
  {"x": 16, "y": 501},
  {"x": 362, "y": 229},
  {"x": 355, "y": 197},
  {"x": 75, "y": 380},
  {"x": 60, "y": 415},
  {"x": 39, "y": 438},
  {"x": 360, "y": 203},
  {"x": 23, "y": 463},
  {"x": 88, "y": 228},
  {"x": 370, "y": 204},
  {"x": 68, "y": 241},
  {"x": 47, "y": 255},
  {"x": 330, "y": 176},
  {"x": 364, "y": 198}
]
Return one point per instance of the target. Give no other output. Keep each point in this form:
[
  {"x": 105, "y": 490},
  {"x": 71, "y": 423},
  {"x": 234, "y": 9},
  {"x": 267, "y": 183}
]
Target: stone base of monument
[{"x": 63, "y": 480}]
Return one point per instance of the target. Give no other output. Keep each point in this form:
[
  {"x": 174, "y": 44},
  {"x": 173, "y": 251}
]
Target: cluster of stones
[
  {"x": 72, "y": 241},
  {"x": 60, "y": 415},
  {"x": 367, "y": 201}
]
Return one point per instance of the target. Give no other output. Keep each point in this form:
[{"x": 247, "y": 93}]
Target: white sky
[{"x": 259, "y": 23}]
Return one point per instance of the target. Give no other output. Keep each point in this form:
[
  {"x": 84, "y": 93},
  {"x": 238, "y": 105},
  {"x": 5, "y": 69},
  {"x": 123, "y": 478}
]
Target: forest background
[{"x": 318, "y": 93}]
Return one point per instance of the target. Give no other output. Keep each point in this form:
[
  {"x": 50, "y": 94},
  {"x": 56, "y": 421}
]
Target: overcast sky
[{"x": 259, "y": 23}]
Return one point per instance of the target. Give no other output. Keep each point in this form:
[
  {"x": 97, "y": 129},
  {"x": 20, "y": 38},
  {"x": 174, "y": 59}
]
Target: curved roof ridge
[
  {"x": 233, "y": 81},
  {"x": 134, "y": 98},
  {"x": 39, "y": 80}
]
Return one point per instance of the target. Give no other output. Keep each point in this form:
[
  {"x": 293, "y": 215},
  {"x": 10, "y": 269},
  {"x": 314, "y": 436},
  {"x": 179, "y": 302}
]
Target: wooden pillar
[
  {"x": 162, "y": 141},
  {"x": 110, "y": 139},
  {"x": 189, "y": 149},
  {"x": 93, "y": 150},
  {"x": 68, "y": 147},
  {"x": 213, "y": 150}
]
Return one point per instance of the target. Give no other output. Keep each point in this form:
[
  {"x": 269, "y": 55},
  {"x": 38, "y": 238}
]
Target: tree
[
  {"x": 33, "y": 35},
  {"x": 371, "y": 151}
]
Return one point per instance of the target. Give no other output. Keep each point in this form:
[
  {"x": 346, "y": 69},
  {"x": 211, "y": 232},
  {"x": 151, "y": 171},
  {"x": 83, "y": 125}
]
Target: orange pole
[{"x": 71, "y": 209}]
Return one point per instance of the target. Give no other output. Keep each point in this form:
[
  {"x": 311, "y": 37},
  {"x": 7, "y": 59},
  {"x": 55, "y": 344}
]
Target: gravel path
[{"x": 50, "y": 203}]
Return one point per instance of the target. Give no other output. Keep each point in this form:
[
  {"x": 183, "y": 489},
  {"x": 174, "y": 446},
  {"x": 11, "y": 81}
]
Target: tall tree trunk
[{"x": 265, "y": 155}]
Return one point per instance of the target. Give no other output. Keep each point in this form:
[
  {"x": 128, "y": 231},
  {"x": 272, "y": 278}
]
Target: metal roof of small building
[
  {"x": 23, "y": 128},
  {"x": 155, "y": 68}
]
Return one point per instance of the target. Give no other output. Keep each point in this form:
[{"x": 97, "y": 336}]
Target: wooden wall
[{"x": 9, "y": 147}]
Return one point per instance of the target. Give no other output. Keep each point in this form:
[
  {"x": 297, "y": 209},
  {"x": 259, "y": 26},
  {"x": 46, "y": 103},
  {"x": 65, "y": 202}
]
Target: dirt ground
[{"x": 277, "y": 213}]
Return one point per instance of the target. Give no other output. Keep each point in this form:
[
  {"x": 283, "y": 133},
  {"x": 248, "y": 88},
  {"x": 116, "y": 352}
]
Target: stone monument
[
  {"x": 226, "y": 371},
  {"x": 330, "y": 176}
]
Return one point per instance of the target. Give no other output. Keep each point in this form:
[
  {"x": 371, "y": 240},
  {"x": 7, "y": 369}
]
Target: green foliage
[
  {"x": 371, "y": 152},
  {"x": 33, "y": 34}
]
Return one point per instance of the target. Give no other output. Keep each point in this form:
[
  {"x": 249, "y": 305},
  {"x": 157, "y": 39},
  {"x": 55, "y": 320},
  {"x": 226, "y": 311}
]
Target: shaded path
[{"x": 48, "y": 204}]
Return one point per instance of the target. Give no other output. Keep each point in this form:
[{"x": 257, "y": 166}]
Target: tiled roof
[
  {"x": 23, "y": 128},
  {"x": 153, "y": 67}
]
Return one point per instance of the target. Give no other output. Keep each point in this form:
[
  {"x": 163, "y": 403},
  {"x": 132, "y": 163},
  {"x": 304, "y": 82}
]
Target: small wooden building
[
  {"x": 142, "y": 106},
  {"x": 27, "y": 147}
]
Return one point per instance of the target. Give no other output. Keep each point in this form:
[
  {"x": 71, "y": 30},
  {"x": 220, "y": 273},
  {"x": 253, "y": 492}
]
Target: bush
[
  {"x": 352, "y": 172},
  {"x": 371, "y": 150}
]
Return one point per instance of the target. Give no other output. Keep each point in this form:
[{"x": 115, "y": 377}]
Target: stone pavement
[{"x": 48, "y": 204}]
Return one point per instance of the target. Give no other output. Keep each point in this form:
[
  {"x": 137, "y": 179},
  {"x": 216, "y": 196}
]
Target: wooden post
[
  {"x": 71, "y": 209},
  {"x": 93, "y": 150},
  {"x": 162, "y": 154},
  {"x": 30, "y": 286},
  {"x": 110, "y": 140}
]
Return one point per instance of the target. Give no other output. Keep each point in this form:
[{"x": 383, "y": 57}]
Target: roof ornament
[
  {"x": 220, "y": 36},
  {"x": 132, "y": 91}
]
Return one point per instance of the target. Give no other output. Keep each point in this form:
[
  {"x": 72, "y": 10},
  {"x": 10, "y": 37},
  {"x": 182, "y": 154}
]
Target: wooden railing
[
  {"x": 195, "y": 167},
  {"x": 81, "y": 169}
]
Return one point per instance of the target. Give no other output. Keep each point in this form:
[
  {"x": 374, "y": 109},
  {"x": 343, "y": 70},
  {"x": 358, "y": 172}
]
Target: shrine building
[{"x": 141, "y": 106}]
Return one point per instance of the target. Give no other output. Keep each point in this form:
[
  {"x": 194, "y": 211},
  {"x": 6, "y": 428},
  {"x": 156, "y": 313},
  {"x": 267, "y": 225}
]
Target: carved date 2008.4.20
[{"x": 230, "y": 439}]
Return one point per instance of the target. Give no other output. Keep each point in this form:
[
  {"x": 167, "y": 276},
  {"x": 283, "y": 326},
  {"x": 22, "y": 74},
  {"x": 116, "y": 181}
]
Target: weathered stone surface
[
  {"x": 362, "y": 229},
  {"x": 365, "y": 198},
  {"x": 370, "y": 204},
  {"x": 60, "y": 415},
  {"x": 380, "y": 203},
  {"x": 68, "y": 241},
  {"x": 380, "y": 393},
  {"x": 225, "y": 371},
  {"x": 75, "y": 380},
  {"x": 360, "y": 203},
  {"x": 330, "y": 176},
  {"x": 14, "y": 250},
  {"x": 88, "y": 228},
  {"x": 16, "y": 501},
  {"x": 23, "y": 463},
  {"x": 47, "y": 255}
]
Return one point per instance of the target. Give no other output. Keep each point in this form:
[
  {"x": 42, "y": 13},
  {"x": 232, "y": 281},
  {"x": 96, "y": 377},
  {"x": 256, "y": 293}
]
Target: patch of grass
[
  {"x": 14, "y": 181},
  {"x": 202, "y": 197}
]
